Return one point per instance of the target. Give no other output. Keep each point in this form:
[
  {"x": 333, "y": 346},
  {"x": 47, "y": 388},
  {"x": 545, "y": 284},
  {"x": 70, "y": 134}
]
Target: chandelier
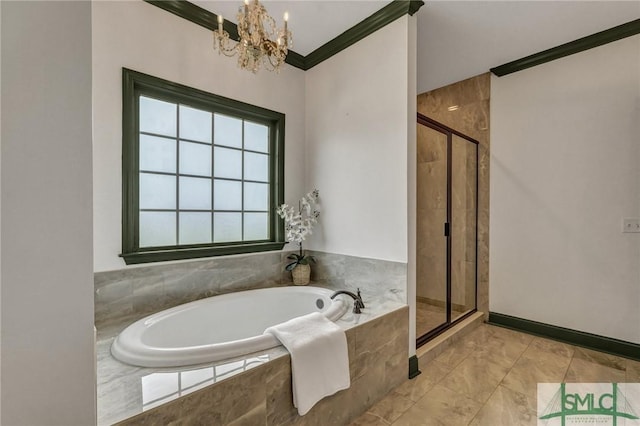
[{"x": 261, "y": 43}]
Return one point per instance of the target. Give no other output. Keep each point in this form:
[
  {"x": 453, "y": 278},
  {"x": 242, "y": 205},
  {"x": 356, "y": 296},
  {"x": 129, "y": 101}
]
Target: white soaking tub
[{"x": 219, "y": 327}]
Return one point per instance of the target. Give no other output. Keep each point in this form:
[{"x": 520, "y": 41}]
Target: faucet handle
[{"x": 359, "y": 301}]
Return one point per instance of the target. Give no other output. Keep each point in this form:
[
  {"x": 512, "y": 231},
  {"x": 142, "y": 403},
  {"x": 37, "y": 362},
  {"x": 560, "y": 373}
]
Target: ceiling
[
  {"x": 456, "y": 39},
  {"x": 461, "y": 39},
  {"x": 312, "y": 22}
]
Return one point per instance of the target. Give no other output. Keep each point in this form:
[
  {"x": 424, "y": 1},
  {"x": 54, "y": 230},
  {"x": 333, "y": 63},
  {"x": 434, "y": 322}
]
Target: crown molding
[
  {"x": 379, "y": 19},
  {"x": 598, "y": 39}
]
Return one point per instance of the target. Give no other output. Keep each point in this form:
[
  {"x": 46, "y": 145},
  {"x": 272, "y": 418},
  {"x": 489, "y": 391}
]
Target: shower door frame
[{"x": 449, "y": 132}]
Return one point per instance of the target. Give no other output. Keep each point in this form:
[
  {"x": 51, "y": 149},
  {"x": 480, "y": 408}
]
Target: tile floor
[
  {"x": 429, "y": 316},
  {"x": 489, "y": 378}
]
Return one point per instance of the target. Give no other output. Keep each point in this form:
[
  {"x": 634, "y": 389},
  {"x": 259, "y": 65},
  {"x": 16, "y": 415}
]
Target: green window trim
[{"x": 136, "y": 84}]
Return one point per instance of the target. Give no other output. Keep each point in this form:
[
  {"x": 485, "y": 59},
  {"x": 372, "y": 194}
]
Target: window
[{"x": 202, "y": 174}]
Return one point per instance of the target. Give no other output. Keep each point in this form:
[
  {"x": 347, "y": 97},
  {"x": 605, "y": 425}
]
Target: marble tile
[
  {"x": 502, "y": 350},
  {"x": 107, "y": 313},
  {"x": 262, "y": 394},
  {"x": 137, "y": 292},
  {"x": 506, "y": 407},
  {"x": 535, "y": 366},
  {"x": 373, "y": 276},
  {"x": 581, "y": 370},
  {"x": 632, "y": 371},
  {"x": 475, "y": 378},
  {"x": 368, "y": 419},
  {"x": 455, "y": 354},
  {"x": 440, "y": 406},
  {"x": 116, "y": 291},
  {"x": 329, "y": 268},
  {"x": 508, "y": 334},
  {"x": 254, "y": 417},
  {"x": 600, "y": 358},
  {"x": 551, "y": 346},
  {"x": 391, "y": 407},
  {"x": 414, "y": 389},
  {"x": 279, "y": 408},
  {"x": 150, "y": 298},
  {"x": 389, "y": 325},
  {"x": 147, "y": 289}
]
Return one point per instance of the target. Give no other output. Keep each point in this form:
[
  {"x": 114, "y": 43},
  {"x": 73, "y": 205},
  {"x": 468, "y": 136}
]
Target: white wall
[
  {"x": 356, "y": 133},
  {"x": 47, "y": 276},
  {"x": 145, "y": 38},
  {"x": 565, "y": 142}
]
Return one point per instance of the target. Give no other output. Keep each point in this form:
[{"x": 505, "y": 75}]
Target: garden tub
[{"x": 219, "y": 327}]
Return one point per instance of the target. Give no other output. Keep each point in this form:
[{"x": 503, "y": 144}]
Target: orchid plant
[{"x": 299, "y": 225}]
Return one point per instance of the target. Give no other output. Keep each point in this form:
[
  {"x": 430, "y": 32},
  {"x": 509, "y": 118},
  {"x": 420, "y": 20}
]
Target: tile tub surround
[
  {"x": 261, "y": 392},
  {"x": 140, "y": 291},
  {"x": 133, "y": 293},
  {"x": 374, "y": 277}
]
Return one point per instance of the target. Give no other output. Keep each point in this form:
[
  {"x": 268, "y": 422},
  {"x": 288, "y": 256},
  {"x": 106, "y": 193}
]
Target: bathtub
[{"x": 219, "y": 327}]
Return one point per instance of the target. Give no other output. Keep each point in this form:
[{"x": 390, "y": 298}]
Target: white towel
[{"x": 319, "y": 358}]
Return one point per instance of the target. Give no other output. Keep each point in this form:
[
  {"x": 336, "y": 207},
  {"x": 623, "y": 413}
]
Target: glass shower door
[
  {"x": 431, "y": 243},
  {"x": 464, "y": 192},
  {"x": 446, "y": 240}
]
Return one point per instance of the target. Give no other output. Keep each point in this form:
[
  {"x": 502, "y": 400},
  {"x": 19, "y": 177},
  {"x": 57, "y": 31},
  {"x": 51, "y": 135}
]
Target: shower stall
[{"x": 447, "y": 228}]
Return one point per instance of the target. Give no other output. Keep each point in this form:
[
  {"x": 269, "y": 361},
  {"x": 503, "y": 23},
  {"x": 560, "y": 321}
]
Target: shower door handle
[{"x": 446, "y": 229}]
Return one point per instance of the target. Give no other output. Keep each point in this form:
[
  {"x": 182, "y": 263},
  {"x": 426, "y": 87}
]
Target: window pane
[
  {"x": 227, "y": 195},
  {"x": 157, "y": 191},
  {"x": 256, "y": 137},
  {"x": 157, "y": 229},
  {"x": 256, "y": 167},
  {"x": 227, "y": 131},
  {"x": 195, "y": 124},
  {"x": 195, "y": 193},
  {"x": 227, "y": 227},
  {"x": 195, "y": 228},
  {"x": 227, "y": 163},
  {"x": 256, "y": 196},
  {"x": 195, "y": 159},
  {"x": 255, "y": 226},
  {"x": 157, "y": 116},
  {"x": 157, "y": 154}
]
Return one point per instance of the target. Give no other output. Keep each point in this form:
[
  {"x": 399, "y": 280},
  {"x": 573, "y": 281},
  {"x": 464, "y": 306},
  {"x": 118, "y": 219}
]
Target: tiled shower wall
[
  {"x": 136, "y": 292},
  {"x": 472, "y": 96}
]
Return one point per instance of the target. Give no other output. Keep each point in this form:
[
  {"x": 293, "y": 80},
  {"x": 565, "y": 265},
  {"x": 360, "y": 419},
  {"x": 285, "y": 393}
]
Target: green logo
[{"x": 586, "y": 403}]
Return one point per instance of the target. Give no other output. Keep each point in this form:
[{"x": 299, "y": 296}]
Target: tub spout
[{"x": 357, "y": 300}]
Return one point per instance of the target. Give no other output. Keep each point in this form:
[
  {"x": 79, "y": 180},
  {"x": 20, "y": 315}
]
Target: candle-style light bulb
[
  {"x": 286, "y": 19},
  {"x": 220, "y": 21}
]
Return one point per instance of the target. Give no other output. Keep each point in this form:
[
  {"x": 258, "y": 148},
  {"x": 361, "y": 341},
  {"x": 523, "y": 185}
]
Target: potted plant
[{"x": 299, "y": 225}]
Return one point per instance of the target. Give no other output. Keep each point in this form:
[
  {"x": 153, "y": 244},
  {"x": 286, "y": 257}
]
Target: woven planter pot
[{"x": 301, "y": 274}]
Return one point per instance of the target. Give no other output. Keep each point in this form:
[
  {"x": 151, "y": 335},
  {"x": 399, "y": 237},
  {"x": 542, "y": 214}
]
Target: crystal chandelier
[{"x": 261, "y": 43}]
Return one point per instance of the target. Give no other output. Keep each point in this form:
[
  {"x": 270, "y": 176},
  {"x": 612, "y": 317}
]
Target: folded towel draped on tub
[{"x": 319, "y": 358}]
